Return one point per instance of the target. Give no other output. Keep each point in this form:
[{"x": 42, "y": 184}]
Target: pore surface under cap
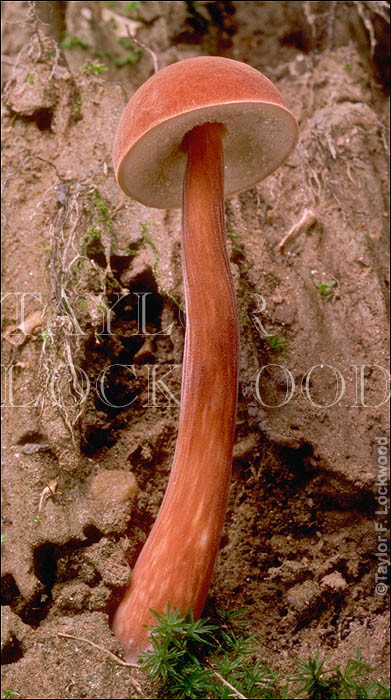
[{"x": 260, "y": 131}]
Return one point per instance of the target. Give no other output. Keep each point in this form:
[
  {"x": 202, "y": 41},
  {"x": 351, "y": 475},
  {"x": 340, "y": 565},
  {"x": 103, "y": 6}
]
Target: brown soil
[{"x": 299, "y": 548}]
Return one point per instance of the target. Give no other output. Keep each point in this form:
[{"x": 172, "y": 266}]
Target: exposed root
[
  {"x": 63, "y": 334},
  {"x": 97, "y": 646},
  {"x": 144, "y": 47}
]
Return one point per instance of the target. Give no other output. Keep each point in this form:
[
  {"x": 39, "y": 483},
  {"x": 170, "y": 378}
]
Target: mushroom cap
[{"x": 260, "y": 131}]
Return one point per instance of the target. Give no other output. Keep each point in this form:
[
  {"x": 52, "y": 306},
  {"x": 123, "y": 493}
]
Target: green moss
[{"x": 197, "y": 659}]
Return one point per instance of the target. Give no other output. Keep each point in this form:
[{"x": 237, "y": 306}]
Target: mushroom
[{"x": 219, "y": 126}]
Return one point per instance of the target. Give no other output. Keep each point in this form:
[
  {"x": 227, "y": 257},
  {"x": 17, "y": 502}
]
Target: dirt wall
[{"x": 93, "y": 335}]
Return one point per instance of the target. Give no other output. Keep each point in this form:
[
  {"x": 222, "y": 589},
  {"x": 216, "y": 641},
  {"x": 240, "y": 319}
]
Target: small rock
[{"x": 31, "y": 448}]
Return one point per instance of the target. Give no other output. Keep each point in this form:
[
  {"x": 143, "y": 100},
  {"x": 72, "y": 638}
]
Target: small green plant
[
  {"x": 8, "y": 693},
  {"x": 92, "y": 243},
  {"x": 30, "y": 79},
  {"x": 132, "y": 57},
  {"x": 326, "y": 289},
  {"x": 82, "y": 304},
  {"x": 77, "y": 105},
  {"x": 111, "y": 283},
  {"x": 37, "y": 520},
  {"x": 316, "y": 681},
  {"x": 276, "y": 342},
  {"x": 197, "y": 659},
  {"x": 132, "y": 250},
  {"x": 70, "y": 42},
  {"x": 104, "y": 214},
  {"x": 347, "y": 68},
  {"x": 126, "y": 43},
  {"x": 47, "y": 342},
  {"x": 101, "y": 225},
  {"x": 103, "y": 53},
  {"x": 233, "y": 237},
  {"x": 93, "y": 233},
  {"x": 94, "y": 67}
]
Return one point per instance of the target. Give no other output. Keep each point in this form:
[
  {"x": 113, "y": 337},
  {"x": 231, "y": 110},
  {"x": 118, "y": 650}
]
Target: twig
[
  {"x": 47, "y": 492},
  {"x": 307, "y": 220},
  {"x": 97, "y": 646},
  {"x": 231, "y": 687},
  {"x": 144, "y": 47}
]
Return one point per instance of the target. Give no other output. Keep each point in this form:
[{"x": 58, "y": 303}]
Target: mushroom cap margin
[{"x": 260, "y": 131}]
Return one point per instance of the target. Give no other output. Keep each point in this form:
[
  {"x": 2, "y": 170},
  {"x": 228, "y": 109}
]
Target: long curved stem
[{"x": 176, "y": 562}]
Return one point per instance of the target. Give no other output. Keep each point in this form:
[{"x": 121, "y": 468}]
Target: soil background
[{"x": 93, "y": 338}]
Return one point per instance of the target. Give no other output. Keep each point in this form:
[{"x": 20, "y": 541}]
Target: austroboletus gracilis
[{"x": 194, "y": 133}]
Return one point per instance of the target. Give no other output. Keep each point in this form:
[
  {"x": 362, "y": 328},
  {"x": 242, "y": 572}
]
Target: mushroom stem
[{"x": 176, "y": 562}]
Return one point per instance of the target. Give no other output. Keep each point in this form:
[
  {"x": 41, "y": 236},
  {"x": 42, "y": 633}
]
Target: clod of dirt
[
  {"x": 116, "y": 486},
  {"x": 112, "y": 495},
  {"x": 31, "y": 92},
  {"x": 289, "y": 572},
  {"x": 109, "y": 561},
  {"x": 334, "y": 582},
  {"x": 71, "y": 596},
  {"x": 304, "y": 597}
]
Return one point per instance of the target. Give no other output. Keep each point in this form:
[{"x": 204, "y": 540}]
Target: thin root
[
  {"x": 97, "y": 646},
  {"x": 146, "y": 48}
]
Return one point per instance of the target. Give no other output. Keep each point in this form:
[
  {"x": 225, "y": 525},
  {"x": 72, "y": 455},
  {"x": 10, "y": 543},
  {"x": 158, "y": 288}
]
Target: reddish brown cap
[{"x": 260, "y": 129}]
